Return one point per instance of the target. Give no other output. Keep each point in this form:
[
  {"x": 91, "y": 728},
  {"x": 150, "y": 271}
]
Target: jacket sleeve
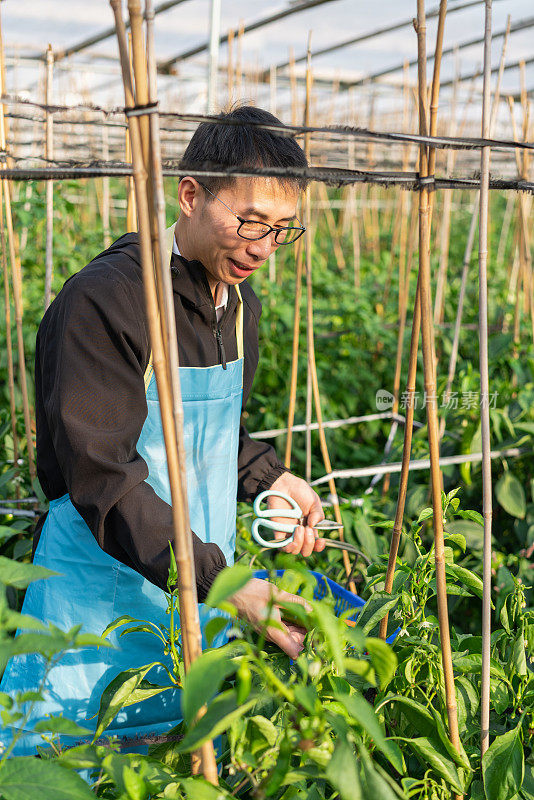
[
  {"x": 258, "y": 463},
  {"x": 93, "y": 358}
]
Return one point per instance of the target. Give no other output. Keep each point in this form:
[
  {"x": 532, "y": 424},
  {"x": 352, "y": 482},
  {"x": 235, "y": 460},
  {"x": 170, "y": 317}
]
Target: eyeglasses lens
[
  {"x": 253, "y": 230},
  {"x": 250, "y": 229}
]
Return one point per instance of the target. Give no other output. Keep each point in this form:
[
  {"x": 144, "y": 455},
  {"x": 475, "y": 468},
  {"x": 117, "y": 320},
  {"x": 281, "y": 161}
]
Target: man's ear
[{"x": 189, "y": 195}]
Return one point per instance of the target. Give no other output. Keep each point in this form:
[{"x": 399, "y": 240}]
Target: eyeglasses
[{"x": 252, "y": 229}]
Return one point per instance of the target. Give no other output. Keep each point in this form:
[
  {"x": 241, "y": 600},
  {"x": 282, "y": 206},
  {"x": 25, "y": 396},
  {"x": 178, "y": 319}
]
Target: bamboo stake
[
  {"x": 49, "y": 154},
  {"x": 293, "y": 87},
  {"x": 505, "y": 230},
  {"x": 131, "y": 206},
  {"x": 469, "y": 249},
  {"x": 230, "y": 66},
  {"x": 207, "y": 754},
  {"x": 332, "y": 227},
  {"x": 416, "y": 322},
  {"x": 355, "y": 227},
  {"x": 189, "y": 617},
  {"x": 272, "y": 108},
  {"x": 16, "y": 280},
  {"x": 9, "y": 343},
  {"x": 239, "y": 60},
  {"x": 105, "y": 190},
  {"x": 307, "y": 248},
  {"x": 445, "y": 231},
  {"x": 430, "y": 384},
  {"x": 312, "y": 367},
  {"x": 294, "y": 352},
  {"x": 484, "y": 391}
]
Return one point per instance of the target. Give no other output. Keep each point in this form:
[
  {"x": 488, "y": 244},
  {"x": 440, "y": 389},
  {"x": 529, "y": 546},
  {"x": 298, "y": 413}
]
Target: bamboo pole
[
  {"x": 505, "y": 230},
  {"x": 404, "y": 277},
  {"x": 230, "y": 67},
  {"x": 131, "y": 206},
  {"x": 484, "y": 390},
  {"x": 416, "y": 322},
  {"x": 294, "y": 352},
  {"x": 188, "y": 605},
  {"x": 307, "y": 249},
  {"x": 213, "y": 61},
  {"x": 9, "y": 343},
  {"x": 16, "y": 280},
  {"x": 313, "y": 383},
  {"x": 105, "y": 190},
  {"x": 430, "y": 382},
  {"x": 453, "y": 358},
  {"x": 239, "y": 61},
  {"x": 293, "y": 88},
  {"x": 49, "y": 154},
  {"x": 445, "y": 231}
]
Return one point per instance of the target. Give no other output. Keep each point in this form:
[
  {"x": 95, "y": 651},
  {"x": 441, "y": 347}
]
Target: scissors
[{"x": 264, "y": 519}]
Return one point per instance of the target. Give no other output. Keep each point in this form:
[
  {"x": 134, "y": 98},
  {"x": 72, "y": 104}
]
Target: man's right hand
[{"x": 252, "y": 603}]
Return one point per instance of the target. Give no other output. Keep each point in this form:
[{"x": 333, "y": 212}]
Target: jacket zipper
[
  {"x": 217, "y": 328},
  {"x": 218, "y": 336}
]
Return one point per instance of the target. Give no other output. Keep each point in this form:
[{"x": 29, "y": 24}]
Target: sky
[{"x": 29, "y": 25}]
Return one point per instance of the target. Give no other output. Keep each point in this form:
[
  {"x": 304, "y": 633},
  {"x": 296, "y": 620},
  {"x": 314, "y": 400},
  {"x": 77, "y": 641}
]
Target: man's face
[{"x": 207, "y": 231}]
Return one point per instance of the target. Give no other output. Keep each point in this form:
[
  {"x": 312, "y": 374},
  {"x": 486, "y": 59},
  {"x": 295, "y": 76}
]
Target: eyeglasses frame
[{"x": 271, "y": 230}]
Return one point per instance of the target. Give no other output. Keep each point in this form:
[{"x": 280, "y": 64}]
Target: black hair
[{"x": 242, "y": 144}]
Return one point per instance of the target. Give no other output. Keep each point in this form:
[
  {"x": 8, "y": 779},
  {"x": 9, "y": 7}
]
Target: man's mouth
[{"x": 242, "y": 270}]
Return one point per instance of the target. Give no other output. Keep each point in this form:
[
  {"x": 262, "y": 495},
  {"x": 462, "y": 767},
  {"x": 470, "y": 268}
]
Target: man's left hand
[{"x": 306, "y": 540}]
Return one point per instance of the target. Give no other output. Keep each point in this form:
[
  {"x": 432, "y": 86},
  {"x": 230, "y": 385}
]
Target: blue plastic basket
[{"x": 343, "y": 599}]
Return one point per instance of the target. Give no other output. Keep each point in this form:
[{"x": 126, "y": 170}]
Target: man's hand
[
  {"x": 306, "y": 539},
  {"x": 252, "y": 603}
]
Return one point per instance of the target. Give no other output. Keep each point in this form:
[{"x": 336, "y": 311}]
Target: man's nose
[{"x": 261, "y": 249}]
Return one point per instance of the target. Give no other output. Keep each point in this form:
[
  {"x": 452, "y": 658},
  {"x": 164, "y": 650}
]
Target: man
[{"x": 101, "y": 457}]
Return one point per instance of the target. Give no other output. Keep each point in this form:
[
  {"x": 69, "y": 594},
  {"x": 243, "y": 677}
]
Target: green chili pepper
[{"x": 244, "y": 682}]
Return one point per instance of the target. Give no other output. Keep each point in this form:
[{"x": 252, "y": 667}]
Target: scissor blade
[{"x": 328, "y": 525}]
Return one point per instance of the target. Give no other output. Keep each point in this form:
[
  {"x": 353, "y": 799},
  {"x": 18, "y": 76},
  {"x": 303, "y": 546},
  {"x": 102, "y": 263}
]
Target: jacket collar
[{"x": 190, "y": 282}]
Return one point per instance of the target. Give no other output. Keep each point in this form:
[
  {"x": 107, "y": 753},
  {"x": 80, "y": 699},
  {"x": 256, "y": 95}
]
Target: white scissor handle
[{"x": 264, "y": 518}]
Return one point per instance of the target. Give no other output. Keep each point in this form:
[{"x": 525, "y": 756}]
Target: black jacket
[{"x": 91, "y": 355}]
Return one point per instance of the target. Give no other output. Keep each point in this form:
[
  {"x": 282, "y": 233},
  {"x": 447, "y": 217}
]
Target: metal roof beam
[{"x": 293, "y": 8}]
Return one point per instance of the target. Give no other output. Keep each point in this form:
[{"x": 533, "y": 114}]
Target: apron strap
[{"x": 169, "y": 240}]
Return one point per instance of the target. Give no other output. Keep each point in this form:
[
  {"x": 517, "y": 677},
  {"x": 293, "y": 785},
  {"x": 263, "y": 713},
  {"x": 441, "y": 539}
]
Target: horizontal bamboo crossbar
[{"x": 418, "y": 464}]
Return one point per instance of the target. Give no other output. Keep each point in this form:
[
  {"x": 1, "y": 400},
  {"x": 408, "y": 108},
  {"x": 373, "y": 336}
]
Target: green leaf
[
  {"x": 378, "y": 605},
  {"x": 474, "y": 516},
  {"x": 442, "y": 764},
  {"x": 222, "y": 711},
  {"x": 125, "y": 690},
  {"x": 383, "y": 659},
  {"x": 511, "y": 495},
  {"x": 117, "y": 623},
  {"x": 426, "y": 513},
  {"x": 360, "y": 710},
  {"x": 500, "y": 698},
  {"x": 14, "y": 573},
  {"x": 375, "y": 786},
  {"x": 205, "y": 677},
  {"x": 503, "y": 766},
  {"x": 25, "y": 778},
  {"x": 227, "y": 583},
  {"x": 199, "y": 789},
  {"x": 472, "y": 663},
  {"x": 527, "y": 789},
  {"x": 83, "y": 756},
  {"x": 328, "y": 624},
  {"x": 60, "y": 725},
  {"x": 466, "y": 577},
  {"x": 343, "y": 771},
  {"x": 519, "y": 658},
  {"x": 458, "y": 539}
]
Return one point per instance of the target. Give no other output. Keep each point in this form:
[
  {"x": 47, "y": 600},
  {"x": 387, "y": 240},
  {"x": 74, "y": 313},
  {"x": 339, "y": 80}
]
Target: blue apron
[{"x": 94, "y": 588}]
